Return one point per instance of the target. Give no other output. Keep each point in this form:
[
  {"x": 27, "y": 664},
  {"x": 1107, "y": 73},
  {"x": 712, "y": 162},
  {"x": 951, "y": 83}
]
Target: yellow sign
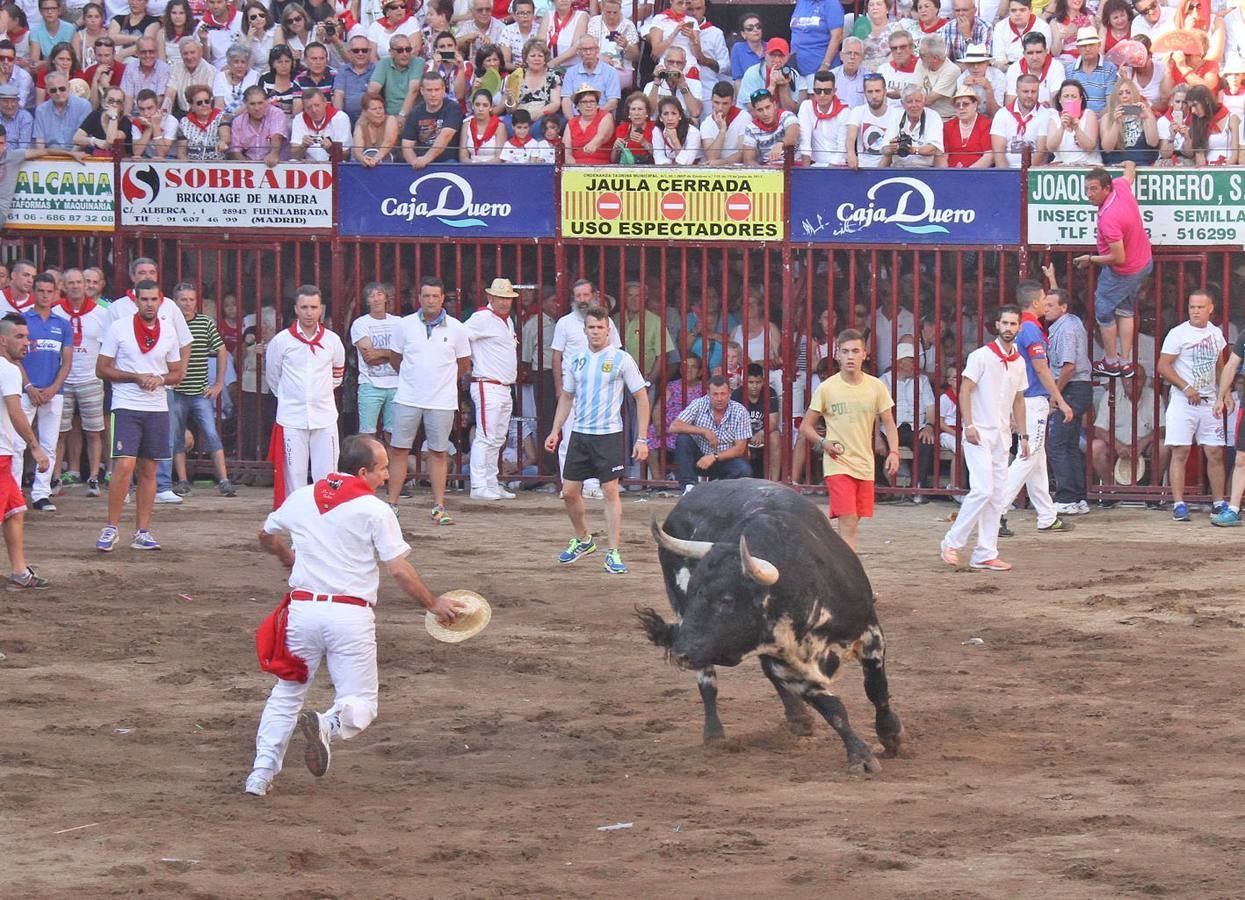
[{"x": 655, "y": 204}]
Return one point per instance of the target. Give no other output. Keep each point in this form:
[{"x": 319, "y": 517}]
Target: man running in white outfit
[
  {"x": 569, "y": 339},
  {"x": 304, "y": 365},
  {"x": 1030, "y": 471},
  {"x": 494, "y": 369},
  {"x": 991, "y": 395},
  {"x": 338, "y": 528}
]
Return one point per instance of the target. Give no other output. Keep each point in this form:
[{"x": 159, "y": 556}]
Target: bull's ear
[{"x": 762, "y": 571}]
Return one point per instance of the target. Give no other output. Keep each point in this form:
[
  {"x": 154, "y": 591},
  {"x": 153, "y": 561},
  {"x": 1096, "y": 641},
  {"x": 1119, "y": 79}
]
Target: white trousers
[
  {"x": 1030, "y": 471},
  {"x": 983, "y": 507},
  {"x": 494, "y": 403},
  {"x": 303, "y": 446},
  {"x": 341, "y": 636},
  {"x": 46, "y": 422}
]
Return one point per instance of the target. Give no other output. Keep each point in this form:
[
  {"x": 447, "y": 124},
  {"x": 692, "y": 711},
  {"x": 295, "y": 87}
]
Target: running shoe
[
  {"x": 1127, "y": 370},
  {"x": 43, "y": 504},
  {"x": 1082, "y": 507},
  {"x": 1216, "y": 506},
  {"x": 315, "y": 729},
  {"x": 441, "y": 517},
  {"x": 257, "y": 784},
  {"x": 68, "y": 479},
  {"x": 1004, "y": 531},
  {"x": 992, "y": 565},
  {"x": 594, "y": 493},
  {"x": 1057, "y": 525},
  {"x": 1225, "y": 518},
  {"x": 408, "y": 489},
  {"x": 144, "y": 540},
  {"x": 168, "y": 496},
  {"x": 107, "y": 538},
  {"x": 577, "y": 548},
  {"x": 226, "y": 488},
  {"x": 27, "y": 579},
  {"x": 182, "y": 488},
  {"x": 1180, "y": 512},
  {"x": 1111, "y": 369},
  {"x": 92, "y": 487},
  {"x": 614, "y": 564}
]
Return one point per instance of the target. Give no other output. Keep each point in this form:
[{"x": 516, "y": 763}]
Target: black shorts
[
  {"x": 1240, "y": 430},
  {"x": 597, "y": 456}
]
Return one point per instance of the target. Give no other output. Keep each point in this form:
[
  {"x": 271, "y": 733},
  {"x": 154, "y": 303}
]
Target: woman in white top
[
  {"x": 676, "y": 141},
  {"x": 758, "y": 334},
  {"x": 1214, "y": 133},
  {"x": 523, "y": 29},
  {"x": 1173, "y": 129},
  {"x": 296, "y": 30},
  {"x": 1072, "y": 140},
  {"x": 561, "y": 30},
  {"x": 92, "y": 27},
  {"x": 618, "y": 39},
  {"x": 483, "y": 133},
  {"x": 259, "y": 35},
  {"x": 233, "y": 80}
]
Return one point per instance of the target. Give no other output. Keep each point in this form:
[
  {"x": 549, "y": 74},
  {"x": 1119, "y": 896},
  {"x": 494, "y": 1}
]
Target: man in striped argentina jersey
[{"x": 592, "y": 394}]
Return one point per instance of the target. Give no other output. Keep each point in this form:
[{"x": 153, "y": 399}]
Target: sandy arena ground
[{"x": 1091, "y": 746}]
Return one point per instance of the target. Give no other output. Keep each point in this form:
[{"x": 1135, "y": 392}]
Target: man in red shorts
[
  {"x": 14, "y": 424},
  {"x": 851, "y": 402}
]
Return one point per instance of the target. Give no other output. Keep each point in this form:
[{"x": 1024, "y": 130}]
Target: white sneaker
[
  {"x": 1083, "y": 506},
  {"x": 687, "y": 488},
  {"x": 167, "y": 497},
  {"x": 503, "y": 494},
  {"x": 594, "y": 493},
  {"x": 315, "y": 729},
  {"x": 1068, "y": 509},
  {"x": 257, "y": 783},
  {"x": 484, "y": 495}
]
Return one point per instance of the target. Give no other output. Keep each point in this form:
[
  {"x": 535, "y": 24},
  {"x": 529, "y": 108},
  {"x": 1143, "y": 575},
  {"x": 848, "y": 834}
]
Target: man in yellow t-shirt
[{"x": 851, "y": 403}]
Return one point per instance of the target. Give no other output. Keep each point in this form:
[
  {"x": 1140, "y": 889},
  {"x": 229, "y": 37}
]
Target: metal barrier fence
[{"x": 672, "y": 300}]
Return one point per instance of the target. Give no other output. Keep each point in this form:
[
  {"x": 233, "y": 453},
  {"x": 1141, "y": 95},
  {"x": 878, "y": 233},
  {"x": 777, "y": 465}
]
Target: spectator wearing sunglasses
[
  {"x": 750, "y": 49},
  {"x": 395, "y": 22},
  {"x": 770, "y": 132},
  {"x": 13, "y": 74},
  {"x": 351, "y": 82},
  {"x": 58, "y": 117}
]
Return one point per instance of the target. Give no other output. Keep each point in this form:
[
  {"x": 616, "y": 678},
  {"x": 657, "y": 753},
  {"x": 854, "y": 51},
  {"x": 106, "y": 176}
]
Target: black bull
[{"x": 750, "y": 566}]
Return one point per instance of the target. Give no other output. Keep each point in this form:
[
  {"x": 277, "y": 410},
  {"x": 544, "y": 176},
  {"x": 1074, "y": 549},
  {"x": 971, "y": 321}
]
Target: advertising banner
[
  {"x": 1180, "y": 207},
  {"x": 64, "y": 194},
  {"x": 897, "y": 206},
  {"x": 233, "y": 196},
  {"x": 504, "y": 201},
  {"x": 657, "y": 204}
]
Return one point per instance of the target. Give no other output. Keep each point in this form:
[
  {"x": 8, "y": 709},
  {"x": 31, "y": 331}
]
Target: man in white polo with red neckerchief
[{"x": 338, "y": 528}]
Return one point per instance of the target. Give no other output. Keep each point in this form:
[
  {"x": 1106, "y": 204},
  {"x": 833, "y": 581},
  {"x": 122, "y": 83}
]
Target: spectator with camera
[
  {"x": 707, "y": 45},
  {"x": 221, "y": 28},
  {"x": 318, "y": 129},
  {"x": 915, "y": 141},
  {"x": 480, "y": 29},
  {"x": 673, "y": 78}
]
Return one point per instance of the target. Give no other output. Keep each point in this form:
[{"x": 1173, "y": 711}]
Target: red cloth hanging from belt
[
  {"x": 276, "y": 456},
  {"x": 274, "y": 656}
]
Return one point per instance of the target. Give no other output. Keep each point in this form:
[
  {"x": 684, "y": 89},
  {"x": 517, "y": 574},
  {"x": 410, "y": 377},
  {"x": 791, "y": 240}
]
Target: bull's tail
[{"x": 657, "y": 629}]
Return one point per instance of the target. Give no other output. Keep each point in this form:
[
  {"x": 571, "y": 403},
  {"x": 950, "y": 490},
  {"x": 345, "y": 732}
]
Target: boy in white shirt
[{"x": 521, "y": 146}]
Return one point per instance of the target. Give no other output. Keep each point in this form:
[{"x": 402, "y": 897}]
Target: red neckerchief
[
  {"x": 730, "y": 116},
  {"x": 1180, "y": 77},
  {"x": 836, "y": 107},
  {"x": 384, "y": 23},
  {"x": 315, "y": 339},
  {"x": 950, "y": 395},
  {"x": 1227, "y": 92},
  {"x": 1027, "y": 316},
  {"x": 1022, "y": 122},
  {"x": 768, "y": 129},
  {"x": 994, "y": 348},
  {"x": 514, "y": 141},
  {"x": 145, "y": 337},
  {"x": 336, "y": 488},
  {"x": 1223, "y": 113},
  {"x": 478, "y": 140},
  {"x": 13, "y": 301},
  {"x": 937, "y": 26},
  {"x": 329, "y": 112},
  {"x": 505, "y": 319},
  {"x": 706, "y": 25},
  {"x": 908, "y": 69},
  {"x": 692, "y": 74},
  {"x": 17, "y": 34},
  {"x": 75, "y": 318},
  {"x": 1018, "y": 33},
  {"x": 212, "y": 22},
  {"x": 673, "y": 18},
  {"x": 555, "y": 29},
  {"x": 212, "y": 117},
  {"x": 1024, "y": 67}
]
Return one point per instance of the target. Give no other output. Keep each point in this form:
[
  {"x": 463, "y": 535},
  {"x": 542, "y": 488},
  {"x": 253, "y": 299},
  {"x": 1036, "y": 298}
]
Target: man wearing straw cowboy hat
[
  {"x": 494, "y": 369},
  {"x": 338, "y": 528}
]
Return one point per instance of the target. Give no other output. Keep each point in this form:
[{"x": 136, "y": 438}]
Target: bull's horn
[
  {"x": 762, "y": 571},
  {"x": 690, "y": 549}
]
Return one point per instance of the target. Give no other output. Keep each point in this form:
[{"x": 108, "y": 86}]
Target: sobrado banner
[
  {"x": 504, "y": 201},
  {"x": 228, "y": 195},
  {"x": 646, "y": 203},
  {"x": 64, "y": 194},
  {"x": 896, "y": 206},
  {"x": 1180, "y": 207}
]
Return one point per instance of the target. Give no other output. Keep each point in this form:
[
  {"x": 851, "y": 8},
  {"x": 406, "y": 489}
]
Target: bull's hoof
[
  {"x": 714, "y": 737},
  {"x": 800, "y": 726},
  {"x": 891, "y": 734},
  {"x": 865, "y": 765}
]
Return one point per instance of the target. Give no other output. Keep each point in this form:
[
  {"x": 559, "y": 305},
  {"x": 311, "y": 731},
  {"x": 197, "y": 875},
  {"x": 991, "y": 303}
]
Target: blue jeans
[
  {"x": 687, "y": 451},
  {"x": 1063, "y": 444},
  {"x": 186, "y": 412}
]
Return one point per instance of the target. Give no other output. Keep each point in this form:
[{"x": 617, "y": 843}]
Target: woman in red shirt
[
  {"x": 966, "y": 138},
  {"x": 635, "y": 133},
  {"x": 587, "y": 138}
]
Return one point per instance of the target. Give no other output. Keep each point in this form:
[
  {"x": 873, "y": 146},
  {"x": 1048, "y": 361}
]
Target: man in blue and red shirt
[
  {"x": 1030, "y": 471},
  {"x": 49, "y": 357}
]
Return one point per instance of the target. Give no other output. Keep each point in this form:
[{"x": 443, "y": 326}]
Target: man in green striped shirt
[{"x": 192, "y": 404}]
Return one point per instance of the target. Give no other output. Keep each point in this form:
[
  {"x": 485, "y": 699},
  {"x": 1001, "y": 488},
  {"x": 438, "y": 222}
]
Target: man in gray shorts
[
  {"x": 84, "y": 390},
  {"x": 430, "y": 351}
]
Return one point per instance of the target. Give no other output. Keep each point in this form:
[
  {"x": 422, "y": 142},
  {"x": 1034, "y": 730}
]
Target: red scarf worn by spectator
[
  {"x": 478, "y": 140},
  {"x": 146, "y": 336},
  {"x": 1006, "y": 358},
  {"x": 75, "y": 318}
]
